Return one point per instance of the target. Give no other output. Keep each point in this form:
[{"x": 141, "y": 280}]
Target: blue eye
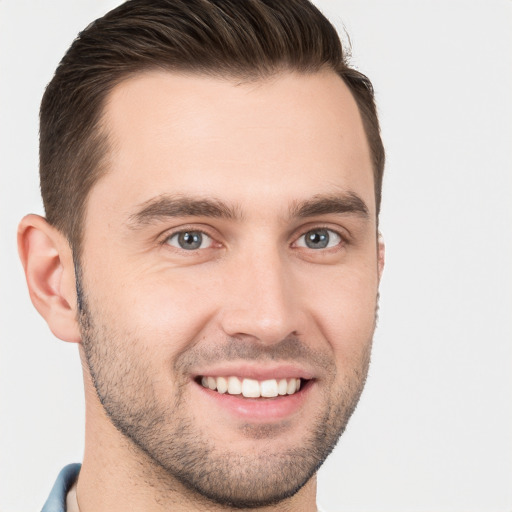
[
  {"x": 190, "y": 240},
  {"x": 319, "y": 239}
]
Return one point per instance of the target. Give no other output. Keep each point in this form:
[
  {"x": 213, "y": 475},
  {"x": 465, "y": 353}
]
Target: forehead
[{"x": 279, "y": 139}]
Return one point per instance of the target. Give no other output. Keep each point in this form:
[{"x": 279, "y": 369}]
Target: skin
[{"x": 155, "y": 316}]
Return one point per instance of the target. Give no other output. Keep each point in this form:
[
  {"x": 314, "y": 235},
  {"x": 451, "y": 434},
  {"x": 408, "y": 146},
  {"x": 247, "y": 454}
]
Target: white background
[{"x": 433, "y": 431}]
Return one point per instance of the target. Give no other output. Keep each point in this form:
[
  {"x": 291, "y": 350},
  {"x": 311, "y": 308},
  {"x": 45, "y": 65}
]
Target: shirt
[{"x": 56, "y": 502}]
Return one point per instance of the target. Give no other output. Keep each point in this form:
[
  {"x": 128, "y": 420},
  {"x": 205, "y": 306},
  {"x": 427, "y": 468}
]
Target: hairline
[{"x": 100, "y": 141}]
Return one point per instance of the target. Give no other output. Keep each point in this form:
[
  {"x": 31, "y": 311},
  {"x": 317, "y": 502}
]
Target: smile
[
  {"x": 251, "y": 388},
  {"x": 255, "y": 393}
]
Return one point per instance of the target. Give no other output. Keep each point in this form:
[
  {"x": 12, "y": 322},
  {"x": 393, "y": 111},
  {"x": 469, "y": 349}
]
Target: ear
[
  {"x": 381, "y": 253},
  {"x": 48, "y": 263}
]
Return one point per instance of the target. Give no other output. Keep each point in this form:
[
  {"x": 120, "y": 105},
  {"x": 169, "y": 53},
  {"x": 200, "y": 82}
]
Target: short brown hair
[{"x": 247, "y": 39}]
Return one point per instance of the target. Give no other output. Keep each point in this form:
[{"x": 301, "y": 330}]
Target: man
[{"x": 211, "y": 174}]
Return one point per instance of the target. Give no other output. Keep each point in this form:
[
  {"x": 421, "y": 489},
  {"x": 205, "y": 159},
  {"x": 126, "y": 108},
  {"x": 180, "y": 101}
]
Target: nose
[{"x": 263, "y": 301}]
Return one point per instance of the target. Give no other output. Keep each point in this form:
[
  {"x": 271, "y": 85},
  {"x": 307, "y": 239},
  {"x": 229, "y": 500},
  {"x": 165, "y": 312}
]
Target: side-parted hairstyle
[{"x": 242, "y": 39}]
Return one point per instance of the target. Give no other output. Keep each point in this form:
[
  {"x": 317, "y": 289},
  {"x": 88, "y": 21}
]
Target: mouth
[
  {"x": 252, "y": 388},
  {"x": 256, "y": 394}
]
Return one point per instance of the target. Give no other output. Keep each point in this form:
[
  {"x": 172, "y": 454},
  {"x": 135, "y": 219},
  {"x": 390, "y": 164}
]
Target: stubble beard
[{"x": 177, "y": 447}]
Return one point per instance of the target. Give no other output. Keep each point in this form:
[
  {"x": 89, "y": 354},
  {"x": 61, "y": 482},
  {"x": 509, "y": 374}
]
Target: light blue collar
[{"x": 56, "y": 502}]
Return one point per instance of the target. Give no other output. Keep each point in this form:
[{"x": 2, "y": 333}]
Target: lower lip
[{"x": 258, "y": 409}]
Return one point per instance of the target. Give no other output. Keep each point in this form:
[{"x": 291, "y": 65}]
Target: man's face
[{"x": 231, "y": 243}]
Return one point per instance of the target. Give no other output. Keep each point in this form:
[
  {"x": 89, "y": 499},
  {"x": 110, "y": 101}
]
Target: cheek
[
  {"x": 164, "y": 310},
  {"x": 345, "y": 311}
]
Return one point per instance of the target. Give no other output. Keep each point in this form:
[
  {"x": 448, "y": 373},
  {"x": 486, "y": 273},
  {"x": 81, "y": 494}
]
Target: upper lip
[{"x": 256, "y": 371}]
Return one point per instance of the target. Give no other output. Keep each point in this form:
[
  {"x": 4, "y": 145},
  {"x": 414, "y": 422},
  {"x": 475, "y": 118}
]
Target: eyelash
[
  {"x": 190, "y": 231},
  {"x": 343, "y": 239}
]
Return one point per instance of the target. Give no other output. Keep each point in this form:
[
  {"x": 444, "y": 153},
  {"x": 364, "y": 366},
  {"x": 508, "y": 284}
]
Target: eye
[
  {"x": 190, "y": 240},
  {"x": 319, "y": 238}
]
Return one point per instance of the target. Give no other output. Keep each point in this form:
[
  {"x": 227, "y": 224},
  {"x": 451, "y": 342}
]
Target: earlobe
[
  {"x": 48, "y": 263},
  {"x": 381, "y": 253}
]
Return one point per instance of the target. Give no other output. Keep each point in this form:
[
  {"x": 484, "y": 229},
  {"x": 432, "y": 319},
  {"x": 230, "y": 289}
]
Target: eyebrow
[
  {"x": 165, "y": 206},
  {"x": 324, "y": 204}
]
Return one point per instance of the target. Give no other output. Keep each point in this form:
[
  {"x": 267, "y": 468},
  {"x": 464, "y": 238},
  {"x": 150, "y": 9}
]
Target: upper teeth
[{"x": 252, "y": 388}]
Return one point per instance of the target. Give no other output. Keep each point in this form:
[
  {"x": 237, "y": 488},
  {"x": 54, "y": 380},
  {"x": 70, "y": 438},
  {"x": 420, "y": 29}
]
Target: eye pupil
[
  {"x": 318, "y": 239},
  {"x": 190, "y": 240}
]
